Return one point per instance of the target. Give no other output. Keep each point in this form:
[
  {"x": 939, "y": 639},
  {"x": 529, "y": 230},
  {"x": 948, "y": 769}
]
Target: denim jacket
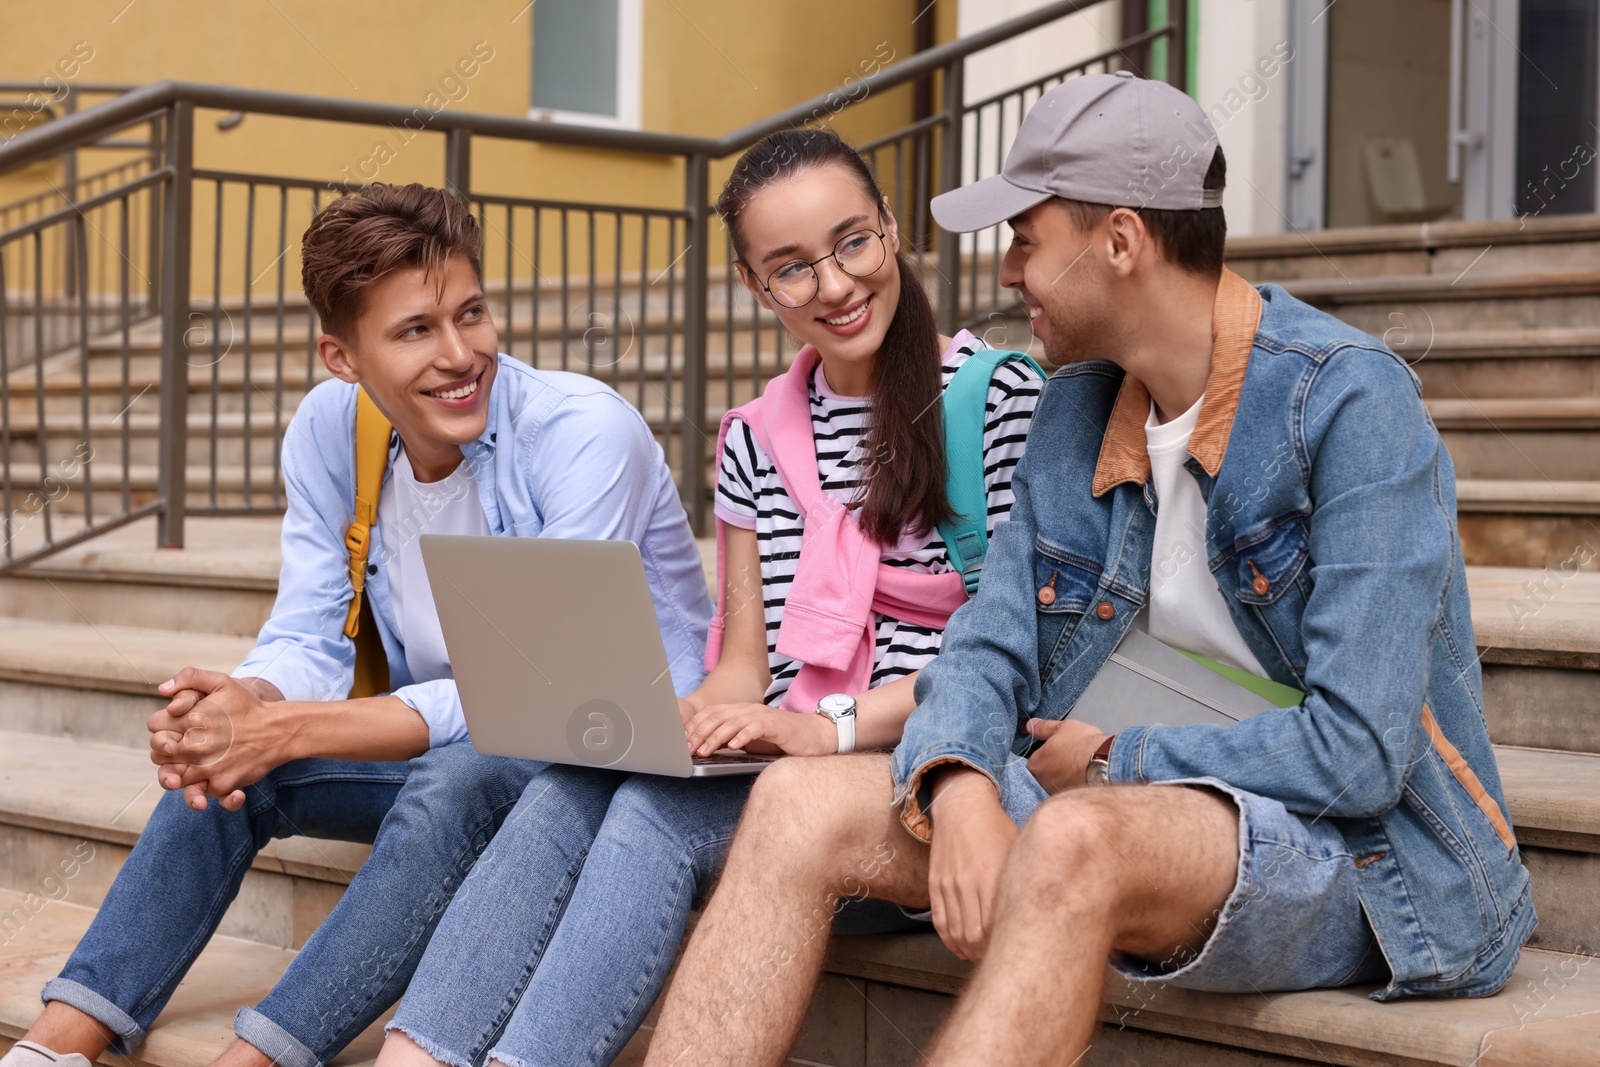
[
  {"x": 1331, "y": 532},
  {"x": 562, "y": 455}
]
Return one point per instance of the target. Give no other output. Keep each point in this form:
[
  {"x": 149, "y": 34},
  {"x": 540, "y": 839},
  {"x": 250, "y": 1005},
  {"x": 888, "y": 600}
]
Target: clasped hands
[{"x": 215, "y": 736}]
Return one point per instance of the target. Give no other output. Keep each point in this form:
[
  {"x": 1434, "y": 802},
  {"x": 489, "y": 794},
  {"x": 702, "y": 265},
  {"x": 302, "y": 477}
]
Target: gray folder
[{"x": 1146, "y": 682}]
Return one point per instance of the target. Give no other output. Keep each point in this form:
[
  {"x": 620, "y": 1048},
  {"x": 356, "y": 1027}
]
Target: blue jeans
[
  {"x": 563, "y": 934},
  {"x": 428, "y": 821}
]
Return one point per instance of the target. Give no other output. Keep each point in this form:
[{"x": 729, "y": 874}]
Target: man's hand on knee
[{"x": 972, "y": 836}]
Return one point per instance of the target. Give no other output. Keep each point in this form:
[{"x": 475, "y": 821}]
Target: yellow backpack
[{"x": 372, "y": 457}]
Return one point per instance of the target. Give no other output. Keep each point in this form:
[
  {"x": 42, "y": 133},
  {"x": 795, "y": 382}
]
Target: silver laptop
[{"x": 558, "y": 657}]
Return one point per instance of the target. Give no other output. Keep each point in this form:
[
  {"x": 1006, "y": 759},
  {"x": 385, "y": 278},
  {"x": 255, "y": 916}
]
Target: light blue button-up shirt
[{"x": 562, "y": 455}]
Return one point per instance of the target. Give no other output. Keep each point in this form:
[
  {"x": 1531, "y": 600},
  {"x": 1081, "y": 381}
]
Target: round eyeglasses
[{"x": 858, "y": 254}]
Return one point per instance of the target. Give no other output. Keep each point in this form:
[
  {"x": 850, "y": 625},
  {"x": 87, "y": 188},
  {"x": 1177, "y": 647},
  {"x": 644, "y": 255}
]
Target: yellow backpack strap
[{"x": 372, "y": 457}]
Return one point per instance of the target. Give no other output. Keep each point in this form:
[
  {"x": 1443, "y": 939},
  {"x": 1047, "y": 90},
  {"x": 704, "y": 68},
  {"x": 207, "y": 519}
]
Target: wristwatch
[
  {"x": 1099, "y": 770},
  {"x": 840, "y": 708}
]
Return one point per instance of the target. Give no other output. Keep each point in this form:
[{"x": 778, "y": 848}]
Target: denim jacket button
[
  {"x": 1047, "y": 596},
  {"x": 1261, "y": 586},
  {"x": 1105, "y": 611}
]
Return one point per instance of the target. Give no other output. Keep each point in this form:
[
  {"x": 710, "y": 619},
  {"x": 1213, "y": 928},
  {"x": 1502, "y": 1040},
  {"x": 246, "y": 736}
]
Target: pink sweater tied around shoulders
[{"x": 841, "y": 582}]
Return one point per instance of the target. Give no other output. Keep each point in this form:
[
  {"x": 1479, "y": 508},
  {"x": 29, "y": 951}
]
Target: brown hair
[
  {"x": 903, "y": 476},
  {"x": 1194, "y": 240},
  {"x": 359, "y": 238}
]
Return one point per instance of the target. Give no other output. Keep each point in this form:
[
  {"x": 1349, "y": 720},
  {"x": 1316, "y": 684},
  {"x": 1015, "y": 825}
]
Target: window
[{"x": 586, "y": 61}]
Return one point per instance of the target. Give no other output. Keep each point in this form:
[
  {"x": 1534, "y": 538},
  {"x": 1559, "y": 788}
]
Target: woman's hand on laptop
[{"x": 759, "y": 728}]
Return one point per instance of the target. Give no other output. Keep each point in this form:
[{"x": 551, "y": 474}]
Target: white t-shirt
[
  {"x": 1186, "y": 608},
  {"x": 407, "y": 509}
]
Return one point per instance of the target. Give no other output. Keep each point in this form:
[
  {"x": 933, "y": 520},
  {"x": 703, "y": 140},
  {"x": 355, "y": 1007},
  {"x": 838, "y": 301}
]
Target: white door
[
  {"x": 1415, "y": 110},
  {"x": 1526, "y": 77}
]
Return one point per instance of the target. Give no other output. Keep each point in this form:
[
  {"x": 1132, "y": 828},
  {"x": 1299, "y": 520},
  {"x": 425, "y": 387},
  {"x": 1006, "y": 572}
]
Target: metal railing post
[
  {"x": 697, "y": 265},
  {"x": 1178, "y": 44},
  {"x": 69, "y": 182},
  {"x": 458, "y": 162},
  {"x": 176, "y": 219},
  {"x": 152, "y": 225},
  {"x": 949, "y": 302}
]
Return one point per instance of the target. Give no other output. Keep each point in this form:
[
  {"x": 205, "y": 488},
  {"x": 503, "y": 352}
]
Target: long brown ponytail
[{"x": 903, "y": 477}]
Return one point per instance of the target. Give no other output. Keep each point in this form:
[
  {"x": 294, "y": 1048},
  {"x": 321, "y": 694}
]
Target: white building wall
[
  {"x": 1242, "y": 82},
  {"x": 1033, "y": 54}
]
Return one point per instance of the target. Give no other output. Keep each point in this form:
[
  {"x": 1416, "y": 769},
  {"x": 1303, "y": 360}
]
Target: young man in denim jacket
[
  {"x": 1247, "y": 478},
  {"x": 481, "y": 444}
]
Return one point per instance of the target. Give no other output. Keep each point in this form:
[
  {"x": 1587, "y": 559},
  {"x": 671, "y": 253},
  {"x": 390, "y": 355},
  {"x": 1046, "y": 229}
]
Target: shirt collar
[{"x": 1124, "y": 456}]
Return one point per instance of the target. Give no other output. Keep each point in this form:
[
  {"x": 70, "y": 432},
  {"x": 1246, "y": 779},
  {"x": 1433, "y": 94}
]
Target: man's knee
[
  {"x": 1070, "y": 844},
  {"x": 814, "y": 805}
]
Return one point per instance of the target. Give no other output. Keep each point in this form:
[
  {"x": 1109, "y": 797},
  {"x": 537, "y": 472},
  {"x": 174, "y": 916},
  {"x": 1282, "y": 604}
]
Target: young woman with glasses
[{"x": 830, "y": 494}]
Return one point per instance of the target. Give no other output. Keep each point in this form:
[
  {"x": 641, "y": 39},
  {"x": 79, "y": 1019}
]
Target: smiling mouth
[
  {"x": 849, "y": 317},
  {"x": 459, "y": 393}
]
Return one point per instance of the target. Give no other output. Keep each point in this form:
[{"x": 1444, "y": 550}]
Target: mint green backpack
[{"x": 966, "y": 535}]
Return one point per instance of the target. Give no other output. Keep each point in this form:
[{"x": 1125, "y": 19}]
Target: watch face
[{"x": 837, "y": 705}]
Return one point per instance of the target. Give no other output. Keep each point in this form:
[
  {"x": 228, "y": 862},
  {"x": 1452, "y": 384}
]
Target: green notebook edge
[{"x": 1283, "y": 696}]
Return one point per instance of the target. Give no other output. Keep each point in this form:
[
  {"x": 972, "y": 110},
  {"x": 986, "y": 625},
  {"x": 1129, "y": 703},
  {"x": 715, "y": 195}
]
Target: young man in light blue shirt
[{"x": 481, "y": 444}]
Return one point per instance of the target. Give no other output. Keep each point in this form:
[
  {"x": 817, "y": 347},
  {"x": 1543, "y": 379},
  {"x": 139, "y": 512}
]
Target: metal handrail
[
  {"x": 919, "y": 65},
  {"x": 929, "y": 155},
  {"x": 136, "y": 104}
]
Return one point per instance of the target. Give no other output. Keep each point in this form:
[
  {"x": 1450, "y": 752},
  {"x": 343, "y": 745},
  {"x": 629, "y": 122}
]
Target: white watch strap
[{"x": 847, "y": 732}]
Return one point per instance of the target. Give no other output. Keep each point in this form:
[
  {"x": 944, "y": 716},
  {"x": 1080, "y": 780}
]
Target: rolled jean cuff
[
  {"x": 276, "y": 1043},
  {"x": 130, "y": 1035}
]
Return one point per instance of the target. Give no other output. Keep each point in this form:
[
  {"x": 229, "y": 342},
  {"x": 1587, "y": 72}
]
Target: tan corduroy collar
[{"x": 1123, "y": 453}]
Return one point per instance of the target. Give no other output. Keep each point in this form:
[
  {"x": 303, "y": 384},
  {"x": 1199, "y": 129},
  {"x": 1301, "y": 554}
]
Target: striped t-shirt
[{"x": 751, "y": 496}]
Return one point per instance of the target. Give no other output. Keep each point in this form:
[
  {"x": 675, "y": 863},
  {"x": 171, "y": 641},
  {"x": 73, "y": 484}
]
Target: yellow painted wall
[{"x": 709, "y": 66}]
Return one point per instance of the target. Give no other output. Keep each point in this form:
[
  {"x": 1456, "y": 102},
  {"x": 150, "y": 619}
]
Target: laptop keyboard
[{"x": 732, "y": 757}]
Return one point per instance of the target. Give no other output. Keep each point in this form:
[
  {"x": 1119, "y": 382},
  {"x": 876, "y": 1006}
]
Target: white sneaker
[{"x": 33, "y": 1054}]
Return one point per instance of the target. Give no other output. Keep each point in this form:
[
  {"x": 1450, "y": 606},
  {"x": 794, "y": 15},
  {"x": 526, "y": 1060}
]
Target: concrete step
[
  {"x": 1502, "y": 364},
  {"x": 97, "y": 682},
  {"x": 1511, "y": 246},
  {"x": 198, "y": 1022},
  {"x": 882, "y": 999},
  {"x": 1528, "y": 523},
  {"x": 222, "y": 582},
  {"x": 62, "y": 798},
  {"x": 1430, "y": 304},
  {"x": 874, "y": 1006},
  {"x": 1543, "y": 438},
  {"x": 901, "y": 987}
]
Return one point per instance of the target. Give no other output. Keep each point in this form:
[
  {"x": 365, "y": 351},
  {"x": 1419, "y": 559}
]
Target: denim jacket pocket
[
  {"x": 1065, "y": 586},
  {"x": 1269, "y": 570}
]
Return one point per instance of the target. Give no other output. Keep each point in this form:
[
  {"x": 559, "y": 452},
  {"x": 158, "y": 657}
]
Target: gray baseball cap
[{"x": 1103, "y": 139}]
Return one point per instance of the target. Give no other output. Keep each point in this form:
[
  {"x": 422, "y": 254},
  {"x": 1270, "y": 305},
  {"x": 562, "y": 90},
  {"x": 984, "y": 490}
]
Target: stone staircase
[
  {"x": 1500, "y": 320},
  {"x": 1501, "y": 323},
  {"x": 86, "y": 635}
]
